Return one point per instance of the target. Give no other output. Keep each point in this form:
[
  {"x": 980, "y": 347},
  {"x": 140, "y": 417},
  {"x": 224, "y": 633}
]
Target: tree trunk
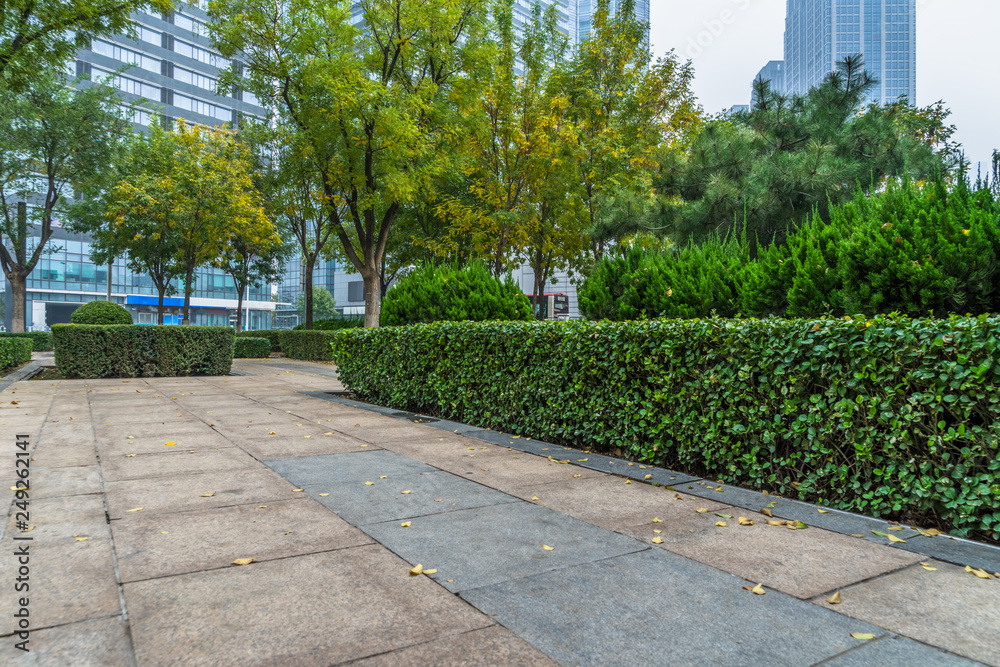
[
  {"x": 308, "y": 287},
  {"x": 110, "y": 266},
  {"x": 18, "y": 288},
  {"x": 161, "y": 290},
  {"x": 373, "y": 297},
  {"x": 186, "y": 311},
  {"x": 538, "y": 289},
  {"x": 239, "y": 309}
]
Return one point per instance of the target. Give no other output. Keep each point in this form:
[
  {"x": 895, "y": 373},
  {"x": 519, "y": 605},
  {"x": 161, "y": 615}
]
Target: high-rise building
[
  {"x": 172, "y": 72},
  {"x": 820, "y": 33},
  {"x": 773, "y": 72},
  {"x": 583, "y": 11}
]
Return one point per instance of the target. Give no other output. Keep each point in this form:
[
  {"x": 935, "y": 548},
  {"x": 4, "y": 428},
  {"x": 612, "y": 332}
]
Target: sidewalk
[{"x": 144, "y": 492}]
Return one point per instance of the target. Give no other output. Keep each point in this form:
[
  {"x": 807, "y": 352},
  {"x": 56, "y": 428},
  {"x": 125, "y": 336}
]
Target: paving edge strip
[{"x": 954, "y": 550}]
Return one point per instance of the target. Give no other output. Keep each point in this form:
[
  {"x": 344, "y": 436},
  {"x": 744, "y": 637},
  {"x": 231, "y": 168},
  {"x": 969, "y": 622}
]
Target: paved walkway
[{"x": 144, "y": 492}]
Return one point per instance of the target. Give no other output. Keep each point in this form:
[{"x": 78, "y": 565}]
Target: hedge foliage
[
  {"x": 100, "y": 312},
  {"x": 334, "y": 324},
  {"x": 453, "y": 294},
  {"x": 307, "y": 345},
  {"x": 888, "y": 417},
  {"x": 245, "y": 347},
  {"x": 13, "y": 353},
  {"x": 913, "y": 249},
  {"x": 91, "y": 351},
  {"x": 40, "y": 340},
  {"x": 273, "y": 335}
]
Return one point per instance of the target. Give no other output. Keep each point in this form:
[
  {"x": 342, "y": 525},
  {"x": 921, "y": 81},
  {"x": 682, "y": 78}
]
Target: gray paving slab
[
  {"x": 101, "y": 642},
  {"x": 487, "y": 545},
  {"x": 349, "y": 467},
  {"x": 488, "y": 647},
  {"x": 955, "y": 551},
  {"x": 656, "y": 607},
  {"x": 895, "y": 651}
]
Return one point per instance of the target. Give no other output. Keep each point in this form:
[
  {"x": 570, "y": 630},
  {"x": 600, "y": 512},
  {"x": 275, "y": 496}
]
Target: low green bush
[
  {"x": 245, "y": 347},
  {"x": 41, "y": 340},
  {"x": 334, "y": 324},
  {"x": 448, "y": 293},
  {"x": 888, "y": 417},
  {"x": 100, "y": 312},
  {"x": 912, "y": 249},
  {"x": 272, "y": 335},
  {"x": 90, "y": 351},
  {"x": 13, "y": 353},
  {"x": 307, "y": 345}
]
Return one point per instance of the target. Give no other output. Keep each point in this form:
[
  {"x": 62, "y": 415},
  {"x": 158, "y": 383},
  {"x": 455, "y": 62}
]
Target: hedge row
[
  {"x": 334, "y": 323},
  {"x": 308, "y": 345},
  {"x": 92, "y": 351},
  {"x": 41, "y": 340},
  {"x": 888, "y": 417},
  {"x": 273, "y": 336},
  {"x": 13, "y": 353},
  {"x": 245, "y": 347}
]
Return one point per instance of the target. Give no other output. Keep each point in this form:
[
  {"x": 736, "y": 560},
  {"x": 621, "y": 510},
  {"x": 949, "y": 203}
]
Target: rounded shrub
[
  {"x": 100, "y": 312},
  {"x": 453, "y": 294}
]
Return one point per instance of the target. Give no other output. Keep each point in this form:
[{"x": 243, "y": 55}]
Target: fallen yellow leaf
[
  {"x": 323, "y": 495},
  {"x": 929, "y": 568},
  {"x": 405, "y": 524},
  {"x": 369, "y": 483},
  {"x": 582, "y": 460},
  {"x": 756, "y": 590},
  {"x": 720, "y": 524},
  {"x": 243, "y": 561},
  {"x": 405, "y": 493},
  {"x": 383, "y": 476},
  {"x": 137, "y": 509},
  {"x": 648, "y": 477},
  {"x": 297, "y": 490},
  {"x": 766, "y": 512},
  {"x": 774, "y": 522},
  {"x": 719, "y": 489},
  {"x": 128, "y": 456},
  {"x": 575, "y": 476},
  {"x": 982, "y": 574},
  {"x": 272, "y": 433},
  {"x": 864, "y": 636},
  {"x": 628, "y": 481},
  {"x": 170, "y": 444},
  {"x": 207, "y": 495},
  {"x": 701, "y": 510},
  {"x": 430, "y": 572},
  {"x": 80, "y": 539},
  {"x": 823, "y": 511},
  {"x": 164, "y": 532},
  {"x": 743, "y": 521},
  {"x": 534, "y": 497},
  {"x": 893, "y": 538},
  {"x": 835, "y": 598},
  {"x": 417, "y": 569},
  {"x": 657, "y": 540},
  {"x": 547, "y": 547},
  {"x": 655, "y": 520}
]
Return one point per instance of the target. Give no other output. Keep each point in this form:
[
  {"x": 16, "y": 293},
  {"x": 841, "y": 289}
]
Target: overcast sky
[{"x": 956, "y": 55}]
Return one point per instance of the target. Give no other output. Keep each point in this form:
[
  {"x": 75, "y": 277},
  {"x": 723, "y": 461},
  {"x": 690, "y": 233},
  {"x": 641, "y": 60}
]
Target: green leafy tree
[
  {"x": 55, "y": 140},
  {"x": 35, "y": 35},
  {"x": 773, "y": 166},
  {"x": 323, "y": 304},
  {"x": 374, "y": 106},
  {"x": 628, "y": 108},
  {"x": 253, "y": 255}
]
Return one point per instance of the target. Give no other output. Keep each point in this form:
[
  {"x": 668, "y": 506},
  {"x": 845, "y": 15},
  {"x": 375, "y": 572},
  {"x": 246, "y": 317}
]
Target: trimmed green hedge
[
  {"x": 245, "y": 347},
  {"x": 100, "y": 312},
  {"x": 13, "y": 353},
  {"x": 334, "y": 324},
  {"x": 888, "y": 417},
  {"x": 308, "y": 345},
  {"x": 41, "y": 340},
  {"x": 272, "y": 335},
  {"x": 92, "y": 351}
]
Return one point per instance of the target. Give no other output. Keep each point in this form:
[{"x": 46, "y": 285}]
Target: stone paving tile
[
  {"x": 168, "y": 544},
  {"x": 496, "y": 467},
  {"x": 608, "y": 502},
  {"x": 101, "y": 642},
  {"x": 480, "y": 648},
  {"x": 956, "y": 552},
  {"x": 310, "y": 610},
  {"x": 146, "y": 466},
  {"x": 317, "y": 445},
  {"x": 49, "y": 454},
  {"x": 145, "y": 443},
  {"x": 179, "y": 493},
  {"x": 57, "y": 482},
  {"x": 802, "y": 563},
  {"x": 948, "y": 608},
  {"x": 657, "y": 607},
  {"x": 70, "y": 580},
  {"x": 897, "y": 652},
  {"x": 155, "y": 418},
  {"x": 487, "y": 545}
]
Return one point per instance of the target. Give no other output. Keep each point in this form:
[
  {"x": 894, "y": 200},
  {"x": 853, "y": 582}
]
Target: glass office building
[
  {"x": 820, "y": 33},
  {"x": 774, "y": 73},
  {"x": 172, "y": 72}
]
